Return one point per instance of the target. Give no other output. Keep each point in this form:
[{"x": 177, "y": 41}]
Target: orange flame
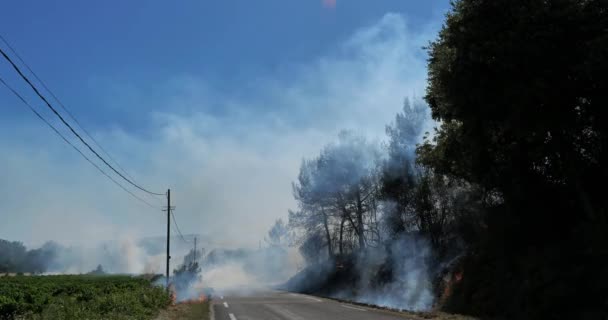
[
  {"x": 449, "y": 285},
  {"x": 201, "y": 298},
  {"x": 173, "y": 295},
  {"x": 458, "y": 276}
]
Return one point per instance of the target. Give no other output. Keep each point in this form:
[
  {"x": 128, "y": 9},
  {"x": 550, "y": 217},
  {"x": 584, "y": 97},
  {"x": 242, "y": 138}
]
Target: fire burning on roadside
[
  {"x": 450, "y": 282},
  {"x": 200, "y": 299},
  {"x": 172, "y": 294},
  {"x": 458, "y": 276},
  {"x": 175, "y": 299}
]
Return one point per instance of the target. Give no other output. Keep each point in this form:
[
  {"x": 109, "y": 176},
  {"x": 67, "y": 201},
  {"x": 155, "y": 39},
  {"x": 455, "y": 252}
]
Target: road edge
[
  {"x": 415, "y": 315},
  {"x": 211, "y": 311}
]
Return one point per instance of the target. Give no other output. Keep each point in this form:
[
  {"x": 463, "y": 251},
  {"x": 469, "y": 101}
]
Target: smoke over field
[
  {"x": 234, "y": 171},
  {"x": 224, "y": 271},
  {"x": 122, "y": 256}
]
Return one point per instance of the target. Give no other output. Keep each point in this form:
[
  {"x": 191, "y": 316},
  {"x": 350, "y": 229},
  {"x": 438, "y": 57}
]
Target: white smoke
[
  {"x": 230, "y": 171},
  {"x": 122, "y": 256},
  {"x": 410, "y": 286}
]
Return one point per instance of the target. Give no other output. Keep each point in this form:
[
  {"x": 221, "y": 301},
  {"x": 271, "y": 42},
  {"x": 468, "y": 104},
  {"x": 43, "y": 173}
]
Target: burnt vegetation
[{"x": 500, "y": 210}]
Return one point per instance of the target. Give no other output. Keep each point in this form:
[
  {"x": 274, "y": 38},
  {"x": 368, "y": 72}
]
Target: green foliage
[
  {"x": 80, "y": 297},
  {"x": 419, "y": 199},
  {"x": 521, "y": 90},
  {"x": 399, "y": 173},
  {"x": 514, "y": 173}
]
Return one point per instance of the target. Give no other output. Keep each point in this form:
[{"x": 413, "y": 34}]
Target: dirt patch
[{"x": 186, "y": 311}]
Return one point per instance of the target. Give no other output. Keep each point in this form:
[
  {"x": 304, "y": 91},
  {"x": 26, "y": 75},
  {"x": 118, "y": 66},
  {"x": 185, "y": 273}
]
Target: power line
[
  {"x": 63, "y": 106},
  {"x": 70, "y": 127},
  {"x": 177, "y": 227},
  {"x": 72, "y": 145},
  {"x": 176, "y": 232}
]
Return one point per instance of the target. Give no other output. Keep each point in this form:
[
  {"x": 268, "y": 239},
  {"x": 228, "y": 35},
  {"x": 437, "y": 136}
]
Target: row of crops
[{"x": 80, "y": 297}]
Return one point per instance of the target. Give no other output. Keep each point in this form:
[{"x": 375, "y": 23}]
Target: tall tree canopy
[
  {"x": 520, "y": 87},
  {"x": 521, "y": 90},
  {"x": 337, "y": 194}
]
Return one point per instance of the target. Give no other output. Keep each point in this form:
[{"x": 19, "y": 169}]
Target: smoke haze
[{"x": 230, "y": 172}]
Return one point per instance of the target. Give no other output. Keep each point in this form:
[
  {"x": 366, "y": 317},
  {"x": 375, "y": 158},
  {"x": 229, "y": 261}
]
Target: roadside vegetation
[
  {"x": 80, "y": 297},
  {"x": 497, "y": 211}
]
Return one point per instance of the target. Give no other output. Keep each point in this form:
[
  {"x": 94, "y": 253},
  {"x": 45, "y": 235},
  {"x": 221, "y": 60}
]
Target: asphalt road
[{"x": 277, "y": 305}]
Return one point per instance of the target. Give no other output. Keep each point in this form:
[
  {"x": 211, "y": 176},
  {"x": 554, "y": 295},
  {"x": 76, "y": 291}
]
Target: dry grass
[
  {"x": 186, "y": 311},
  {"x": 430, "y": 315}
]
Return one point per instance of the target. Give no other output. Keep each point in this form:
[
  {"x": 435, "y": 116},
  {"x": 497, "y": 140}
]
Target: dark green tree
[
  {"x": 399, "y": 171},
  {"x": 98, "y": 271},
  {"x": 521, "y": 90}
]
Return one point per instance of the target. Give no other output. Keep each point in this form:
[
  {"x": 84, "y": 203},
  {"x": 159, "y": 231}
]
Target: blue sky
[{"x": 219, "y": 100}]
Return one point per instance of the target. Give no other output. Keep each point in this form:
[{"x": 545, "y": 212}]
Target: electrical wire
[
  {"x": 177, "y": 227},
  {"x": 70, "y": 127},
  {"x": 72, "y": 145},
  {"x": 10, "y": 47}
]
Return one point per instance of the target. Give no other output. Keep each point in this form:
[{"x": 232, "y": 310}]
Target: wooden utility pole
[{"x": 168, "y": 232}]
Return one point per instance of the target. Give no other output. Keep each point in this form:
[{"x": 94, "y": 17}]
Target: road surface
[{"x": 278, "y": 305}]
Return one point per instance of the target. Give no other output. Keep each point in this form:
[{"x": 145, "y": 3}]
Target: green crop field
[{"x": 80, "y": 297}]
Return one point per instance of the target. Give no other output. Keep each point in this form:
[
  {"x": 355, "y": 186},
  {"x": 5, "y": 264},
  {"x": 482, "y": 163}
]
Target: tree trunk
[
  {"x": 341, "y": 234},
  {"x": 360, "y": 222},
  {"x": 330, "y": 250}
]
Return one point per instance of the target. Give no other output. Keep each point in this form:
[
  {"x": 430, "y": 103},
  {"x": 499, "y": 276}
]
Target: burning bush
[{"x": 184, "y": 277}]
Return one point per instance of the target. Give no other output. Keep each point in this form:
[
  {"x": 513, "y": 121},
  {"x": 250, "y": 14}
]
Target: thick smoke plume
[
  {"x": 368, "y": 72},
  {"x": 398, "y": 275},
  {"x": 356, "y": 206},
  {"x": 122, "y": 256},
  {"x": 395, "y": 276},
  {"x": 224, "y": 271}
]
